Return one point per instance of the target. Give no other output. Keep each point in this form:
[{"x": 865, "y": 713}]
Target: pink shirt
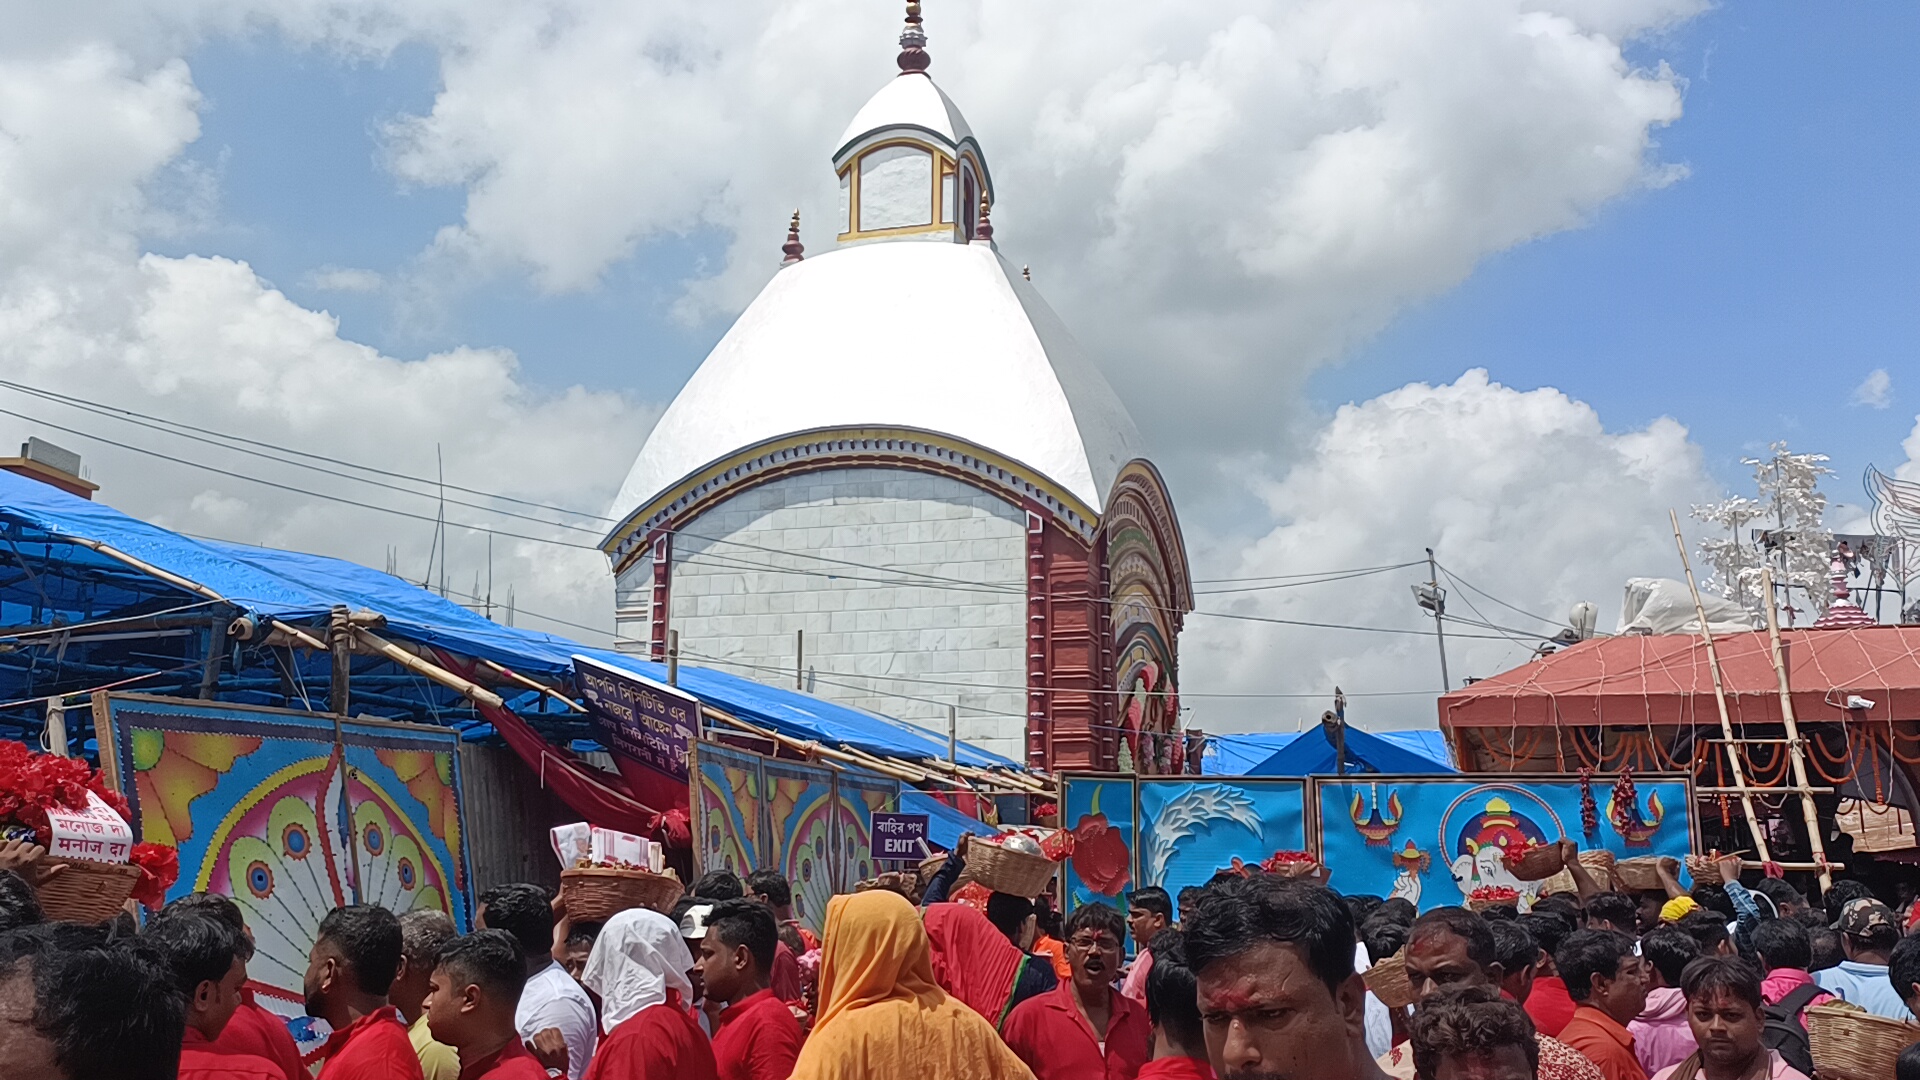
[
  {"x": 1661, "y": 1034},
  {"x": 1135, "y": 984},
  {"x": 1783, "y": 981},
  {"x": 1777, "y": 1069}
]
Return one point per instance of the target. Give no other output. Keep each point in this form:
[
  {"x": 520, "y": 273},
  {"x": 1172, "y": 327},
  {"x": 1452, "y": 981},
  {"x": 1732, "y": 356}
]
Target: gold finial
[
  {"x": 984, "y": 229},
  {"x": 792, "y": 248},
  {"x": 913, "y": 57}
]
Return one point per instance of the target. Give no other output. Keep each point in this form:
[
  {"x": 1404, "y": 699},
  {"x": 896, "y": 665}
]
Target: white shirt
[
  {"x": 1379, "y": 1021},
  {"x": 552, "y": 999}
]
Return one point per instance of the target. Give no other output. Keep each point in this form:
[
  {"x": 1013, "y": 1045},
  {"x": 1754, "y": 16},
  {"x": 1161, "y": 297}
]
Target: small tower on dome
[
  {"x": 983, "y": 230},
  {"x": 1842, "y": 613},
  {"x": 792, "y": 249},
  {"x": 909, "y": 166}
]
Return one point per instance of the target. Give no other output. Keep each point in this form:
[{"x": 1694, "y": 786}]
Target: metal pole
[
  {"x": 1720, "y": 699},
  {"x": 799, "y": 659},
  {"x": 57, "y": 726},
  {"x": 1439, "y": 617},
  {"x": 1794, "y": 751},
  {"x": 673, "y": 658},
  {"x": 953, "y": 734}
]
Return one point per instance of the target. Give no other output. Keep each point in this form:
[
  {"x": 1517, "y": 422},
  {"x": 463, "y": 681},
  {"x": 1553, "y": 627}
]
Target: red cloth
[
  {"x": 784, "y": 977},
  {"x": 807, "y": 937},
  {"x": 512, "y": 1062},
  {"x": 758, "y": 1039},
  {"x": 202, "y": 1059},
  {"x": 1549, "y": 1005},
  {"x": 261, "y": 1032},
  {"x": 374, "y": 1047},
  {"x": 1175, "y": 1068},
  {"x": 657, "y": 1043},
  {"x": 1605, "y": 1042},
  {"x": 1057, "y": 1043},
  {"x": 972, "y": 960}
]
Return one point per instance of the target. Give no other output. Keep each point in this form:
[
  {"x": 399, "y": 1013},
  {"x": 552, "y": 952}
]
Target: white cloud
[
  {"x": 1875, "y": 391},
  {"x": 1521, "y": 493},
  {"x": 345, "y": 279}
]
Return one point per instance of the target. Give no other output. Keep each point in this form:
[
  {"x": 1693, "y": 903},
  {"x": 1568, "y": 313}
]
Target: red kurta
[
  {"x": 512, "y": 1062},
  {"x": 657, "y": 1043},
  {"x": 261, "y": 1032},
  {"x": 1604, "y": 1042},
  {"x": 784, "y": 977},
  {"x": 758, "y": 1039},
  {"x": 1175, "y": 1068},
  {"x": 201, "y": 1059},
  {"x": 374, "y": 1047},
  {"x": 1549, "y": 1005},
  {"x": 1057, "y": 1043}
]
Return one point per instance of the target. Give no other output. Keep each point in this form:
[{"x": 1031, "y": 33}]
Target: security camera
[{"x": 1855, "y": 701}]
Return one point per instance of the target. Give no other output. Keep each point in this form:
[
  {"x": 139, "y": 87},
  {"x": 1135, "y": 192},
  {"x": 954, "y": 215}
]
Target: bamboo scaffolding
[{"x": 1794, "y": 749}]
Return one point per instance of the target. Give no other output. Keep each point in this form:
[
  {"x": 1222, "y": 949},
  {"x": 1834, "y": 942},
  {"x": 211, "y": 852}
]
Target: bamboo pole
[
  {"x": 515, "y": 677},
  {"x": 434, "y": 672},
  {"x": 1797, "y": 754},
  {"x": 1720, "y": 698}
]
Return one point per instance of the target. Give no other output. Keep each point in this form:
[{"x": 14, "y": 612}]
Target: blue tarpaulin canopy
[
  {"x": 945, "y": 825},
  {"x": 66, "y": 561},
  {"x": 1308, "y": 753}
]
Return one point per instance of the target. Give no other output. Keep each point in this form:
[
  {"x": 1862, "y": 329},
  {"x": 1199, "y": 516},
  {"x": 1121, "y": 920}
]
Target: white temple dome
[
  {"x": 941, "y": 337},
  {"x": 911, "y": 101}
]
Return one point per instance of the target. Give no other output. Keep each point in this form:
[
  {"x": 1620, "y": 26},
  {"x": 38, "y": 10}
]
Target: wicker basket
[
  {"x": 1538, "y": 863},
  {"x": 1478, "y": 906},
  {"x": 1639, "y": 874},
  {"x": 594, "y": 893},
  {"x": 1388, "y": 981},
  {"x": 1004, "y": 870},
  {"x": 85, "y": 891},
  {"x": 1309, "y": 871},
  {"x": 1599, "y": 865},
  {"x": 1850, "y": 1042}
]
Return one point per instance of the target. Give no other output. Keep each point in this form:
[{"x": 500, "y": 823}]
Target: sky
[{"x": 1504, "y": 279}]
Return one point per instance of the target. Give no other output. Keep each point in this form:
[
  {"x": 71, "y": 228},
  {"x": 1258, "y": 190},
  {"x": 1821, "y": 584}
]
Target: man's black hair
[
  {"x": 1383, "y": 937},
  {"x": 1810, "y": 917},
  {"x": 1842, "y": 892},
  {"x": 1547, "y": 928},
  {"x": 19, "y": 904},
  {"x": 1903, "y": 967},
  {"x": 1399, "y": 909},
  {"x": 1907, "y": 1066},
  {"x": 1006, "y": 912},
  {"x": 1669, "y": 949},
  {"x": 1462, "y": 924},
  {"x": 746, "y": 922},
  {"x": 1362, "y": 905},
  {"x": 1587, "y": 953},
  {"x": 1616, "y": 908},
  {"x": 1781, "y": 893},
  {"x": 1097, "y": 916},
  {"x": 1825, "y": 948},
  {"x": 1711, "y": 975},
  {"x": 682, "y": 906},
  {"x": 423, "y": 934},
  {"x": 1282, "y": 911},
  {"x": 1172, "y": 1001},
  {"x": 1782, "y": 943},
  {"x": 211, "y": 905},
  {"x": 1565, "y": 909},
  {"x": 1513, "y": 944},
  {"x": 195, "y": 948},
  {"x": 1706, "y": 928},
  {"x": 369, "y": 938},
  {"x": 772, "y": 885},
  {"x": 585, "y": 933},
  {"x": 1046, "y": 917},
  {"x": 1153, "y": 899},
  {"x": 489, "y": 959},
  {"x": 108, "y": 1006},
  {"x": 1189, "y": 898},
  {"x": 718, "y": 885},
  {"x": 1714, "y": 898},
  {"x": 525, "y": 911},
  {"x": 1469, "y": 1021}
]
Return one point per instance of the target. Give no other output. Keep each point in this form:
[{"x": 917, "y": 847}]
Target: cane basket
[
  {"x": 594, "y": 893},
  {"x": 1598, "y": 863},
  {"x": 1004, "y": 870},
  {"x": 1538, "y": 863},
  {"x": 1388, "y": 981},
  {"x": 1640, "y": 874},
  {"x": 84, "y": 891},
  {"x": 1478, "y": 906},
  {"x": 1850, "y": 1042}
]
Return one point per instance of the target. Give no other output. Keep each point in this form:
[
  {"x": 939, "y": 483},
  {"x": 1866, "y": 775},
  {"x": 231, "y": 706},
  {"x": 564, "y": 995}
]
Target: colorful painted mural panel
[
  {"x": 728, "y": 811},
  {"x": 1191, "y": 829},
  {"x": 1099, "y": 811},
  {"x": 859, "y": 796},
  {"x": 1435, "y": 839}
]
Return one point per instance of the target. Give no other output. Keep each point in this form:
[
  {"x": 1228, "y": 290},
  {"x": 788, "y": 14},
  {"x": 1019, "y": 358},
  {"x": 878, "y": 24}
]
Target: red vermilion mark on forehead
[{"x": 1229, "y": 999}]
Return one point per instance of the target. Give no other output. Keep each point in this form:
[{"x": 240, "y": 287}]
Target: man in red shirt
[
  {"x": 205, "y": 958},
  {"x": 471, "y": 998},
  {"x": 1084, "y": 1029},
  {"x": 1179, "y": 1044},
  {"x": 1609, "y": 986},
  {"x": 1548, "y": 1004},
  {"x": 254, "y": 1029},
  {"x": 349, "y": 972},
  {"x": 757, "y": 1037}
]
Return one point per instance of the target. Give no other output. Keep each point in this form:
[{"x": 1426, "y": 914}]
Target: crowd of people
[{"x": 1251, "y": 977}]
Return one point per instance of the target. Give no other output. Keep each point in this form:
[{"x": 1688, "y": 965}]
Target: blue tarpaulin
[
  {"x": 1308, "y": 753},
  {"x": 945, "y": 825},
  {"x": 48, "y": 529}
]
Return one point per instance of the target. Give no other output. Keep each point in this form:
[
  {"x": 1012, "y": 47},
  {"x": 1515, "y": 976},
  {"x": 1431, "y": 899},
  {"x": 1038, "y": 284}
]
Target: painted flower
[{"x": 1100, "y": 854}]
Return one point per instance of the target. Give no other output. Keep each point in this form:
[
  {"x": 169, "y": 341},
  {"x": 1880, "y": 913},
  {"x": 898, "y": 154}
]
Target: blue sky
[{"x": 1746, "y": 300}]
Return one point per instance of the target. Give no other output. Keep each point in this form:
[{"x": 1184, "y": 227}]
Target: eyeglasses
[{"x": 1090, "y": 944}]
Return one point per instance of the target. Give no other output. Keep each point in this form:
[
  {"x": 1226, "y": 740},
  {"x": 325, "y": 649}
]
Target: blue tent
[
  {"x": 67, "y": 561},
  {"x": 945, "y": 825},
  {"x": 1309, "y": 753}
]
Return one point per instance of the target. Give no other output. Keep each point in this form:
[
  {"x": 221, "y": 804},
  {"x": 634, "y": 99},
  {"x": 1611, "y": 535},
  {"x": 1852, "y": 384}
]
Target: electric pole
[{"x": 1433, "y": 598}]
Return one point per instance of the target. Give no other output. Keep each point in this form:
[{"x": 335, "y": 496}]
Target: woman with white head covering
[{"x": 639, "y": 968}]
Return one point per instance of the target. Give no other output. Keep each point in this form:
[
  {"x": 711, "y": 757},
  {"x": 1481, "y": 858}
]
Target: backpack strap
[{"x": 1796, "y": 1001}]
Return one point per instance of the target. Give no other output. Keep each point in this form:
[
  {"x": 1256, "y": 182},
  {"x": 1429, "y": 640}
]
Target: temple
[{"x": 899, "y": 481}]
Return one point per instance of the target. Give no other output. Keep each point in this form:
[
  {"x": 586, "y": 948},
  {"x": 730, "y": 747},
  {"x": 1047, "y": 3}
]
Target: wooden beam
[
  {"x": 427, "y": 669},
  {"x": 515, "y": 677},
  {"x": 1796, "y": 752}
]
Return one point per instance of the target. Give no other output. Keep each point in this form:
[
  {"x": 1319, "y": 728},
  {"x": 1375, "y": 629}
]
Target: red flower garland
[
  {"x": 34, "y": 785},
  {"x": 1497, "y": 893},
  {"x": 159, "y": 869}
]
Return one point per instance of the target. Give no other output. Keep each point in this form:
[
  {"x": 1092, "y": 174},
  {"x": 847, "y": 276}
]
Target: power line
[{"x": 1464, "y": 583}]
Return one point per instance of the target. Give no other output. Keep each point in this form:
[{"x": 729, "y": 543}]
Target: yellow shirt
[{"x": 438, "y": 1061}]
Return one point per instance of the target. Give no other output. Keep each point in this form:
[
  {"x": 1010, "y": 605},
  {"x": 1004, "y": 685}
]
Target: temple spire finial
[
  {"x": 983, "y": 230},
  {"x": 913, "y": 43},
  {"x": 792, "y": 248}
]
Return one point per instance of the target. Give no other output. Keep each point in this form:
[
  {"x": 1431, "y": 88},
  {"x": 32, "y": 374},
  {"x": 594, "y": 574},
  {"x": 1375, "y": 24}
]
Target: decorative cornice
[{"x": 846, "y": 447}]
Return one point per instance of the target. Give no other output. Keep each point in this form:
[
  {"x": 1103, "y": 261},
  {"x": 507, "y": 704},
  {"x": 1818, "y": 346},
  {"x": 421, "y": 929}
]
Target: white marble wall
[{"x": 742, "y": 604}]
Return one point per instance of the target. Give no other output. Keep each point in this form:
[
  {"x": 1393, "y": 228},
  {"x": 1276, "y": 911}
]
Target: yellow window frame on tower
[{"x": 944, "y": 166}]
